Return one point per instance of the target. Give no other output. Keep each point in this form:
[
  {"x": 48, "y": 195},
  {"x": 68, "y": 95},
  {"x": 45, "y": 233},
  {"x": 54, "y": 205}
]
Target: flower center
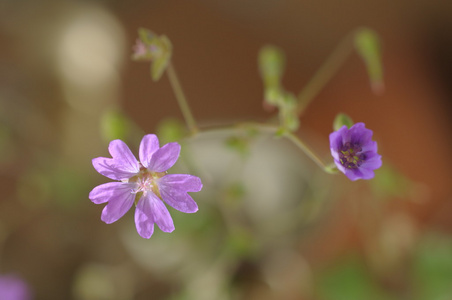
[
  {"x": 351, "y": 156},
  {"x": 146, "y": 182}
]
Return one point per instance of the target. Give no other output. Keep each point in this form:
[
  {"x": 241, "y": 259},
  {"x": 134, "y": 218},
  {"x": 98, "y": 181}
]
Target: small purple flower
[
  {"x": 13, "y": 288},
  {"x": 139, "y": 50},
  {"x": 146, "y": 52},
  {"x": 145, "y": 183},
  {"x": 354, "y": 152}
]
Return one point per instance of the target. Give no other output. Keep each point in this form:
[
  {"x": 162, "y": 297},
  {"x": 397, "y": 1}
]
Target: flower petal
[
  {"x": 104, "y": 192},
  {"x": 144, "y": 221},
  {"x": 122, "y": 156},
  {"x": 353, "y": 174},
  {"x": 164, "y": 158},
  {"x": 367, "y": 173},
  {"x": 182, "y": 182},
  {"x": 336, "y": 139},
  {"x": 360, "y": 135},
  {"x": 150, "y": 210},
  {"x": 117, "y": 206},
  {"x": 108, "y": 168},
  {"x": 372, "y": 163},
  {"x": 149, "y": 144},
  {"x": 174, "y": 188}
]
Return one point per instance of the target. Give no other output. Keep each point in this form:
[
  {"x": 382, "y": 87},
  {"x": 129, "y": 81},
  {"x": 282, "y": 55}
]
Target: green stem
[
  {"x": 181, "y": 100},
  {"x": 266, "y": 128},
  {"x": 300, "y": 144},
  {"x": 325, "y": 72}
]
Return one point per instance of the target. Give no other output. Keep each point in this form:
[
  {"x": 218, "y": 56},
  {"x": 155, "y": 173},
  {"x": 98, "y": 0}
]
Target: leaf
[
  {"x": 341, "y": 120},
  {"x": 271, "y": 65},
  {"x": 161, "y": 61},
  {"x": 433, "y": 268},
  {"x": 146, "y": 36},
  {"x": 171, "y": 130},
  {"x": 350, "y": 280},
  {"x": 391, "y": 183},
  {"x": 368, "y": 47},
  {"x": 287, "y": 112},
  {"x": 239, "y": 144},
  {"x": 114, "y": 125},
  {"x": 331, "y": 168}
]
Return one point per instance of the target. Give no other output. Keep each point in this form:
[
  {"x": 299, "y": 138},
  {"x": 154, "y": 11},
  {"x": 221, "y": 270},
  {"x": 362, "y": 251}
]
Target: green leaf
[
  {"x": 391, "y": 183},
  {"x": 274, "y": 96},
  {"x": 239, "y": 144},
  {"x": 350, "y": 280},
  {"x": 287, "y": 112},
  {"x": 146, "y": 36},
  {"x": 271, "y": 65},
  {"x": 280, "y": 132},
  {"x": 160, "y": 64},
  {"x": 341, "y": 120},
  {"x": 158, "y": 51},
  {"x": 433, "y": 268},
  {"x": 368, "y": 47},
  {"x": 114, "y": 125},
  {"x": 171, "y": 130},
  {"x": 331, "y": 168}
]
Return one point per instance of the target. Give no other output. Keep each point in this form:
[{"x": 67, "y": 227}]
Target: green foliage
[
  {"x": 349, "y": 280},
  {"x": 158, "y": 50},
  {"x": 114, "y": 125},
  {"x": 433, "y": 268},
  {"x": 161, "y": 62},
  {"x": 331, "y": 168},
  {"x": 341, "y": 120},
  {"x": 239, "y": 144},
  {"x": 171, "y": 130},
  {"x": 287, "y": 112},
  {"x": 271, "y": 66},
  {"x": 388, "y": 183},
  {"x": 368, "y": 47},
  {"x": 240, "y": 243}
]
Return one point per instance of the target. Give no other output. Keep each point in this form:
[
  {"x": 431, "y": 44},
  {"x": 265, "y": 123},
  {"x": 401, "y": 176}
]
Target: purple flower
[
  {"x": 13, "y": 288},
  {"x": 354, "y": 152},
  {"x": 146, "y": 52},
  {"x": 145, "y": 183}
]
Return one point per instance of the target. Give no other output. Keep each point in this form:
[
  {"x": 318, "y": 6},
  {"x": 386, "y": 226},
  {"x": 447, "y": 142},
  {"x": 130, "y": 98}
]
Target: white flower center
[{"x": 146, "y": 182}]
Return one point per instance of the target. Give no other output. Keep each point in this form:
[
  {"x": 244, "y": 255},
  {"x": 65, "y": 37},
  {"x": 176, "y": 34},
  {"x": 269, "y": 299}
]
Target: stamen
[{"x": 350, "y": 156}]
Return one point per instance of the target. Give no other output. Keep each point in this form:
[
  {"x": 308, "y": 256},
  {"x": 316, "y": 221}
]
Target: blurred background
[{"x": 271, "y": 225}]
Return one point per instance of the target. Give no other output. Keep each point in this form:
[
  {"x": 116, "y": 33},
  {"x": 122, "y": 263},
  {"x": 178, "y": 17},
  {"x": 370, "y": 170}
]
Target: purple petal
[
  {"x": 335, "y": 154},
  {"x": 339, "y": 166},
  {"x": 372, "y": 163},
  {"x": 13, "y": 287},
  {"x": 174, "y": 188},
  {"x": 164, "y": 158},
  {"x": 104, "y": 192},
  {"x": 353, "y": 174},
  {"x": 122, "y": 156},
  {"x": 336, "y": 140},
  {"x": 149, "y": 144},
  {"x": 370, "y": 146},
  {"x": 119, "y": 203},
  {"x": 150, "y": 209},
  {"x": 144, "y": 221},
  {"x": 109, "y": 168},
  {"x": 365, "y": 173},
  {"x": 360, "y": 135}
]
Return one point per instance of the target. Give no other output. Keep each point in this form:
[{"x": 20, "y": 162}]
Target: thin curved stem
[
  {"x": 181, "y": 100},
  {"x": 300, "y": 144},
  {"x": 266, "y": 128},
  {"x": 325, "y": 72}
]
